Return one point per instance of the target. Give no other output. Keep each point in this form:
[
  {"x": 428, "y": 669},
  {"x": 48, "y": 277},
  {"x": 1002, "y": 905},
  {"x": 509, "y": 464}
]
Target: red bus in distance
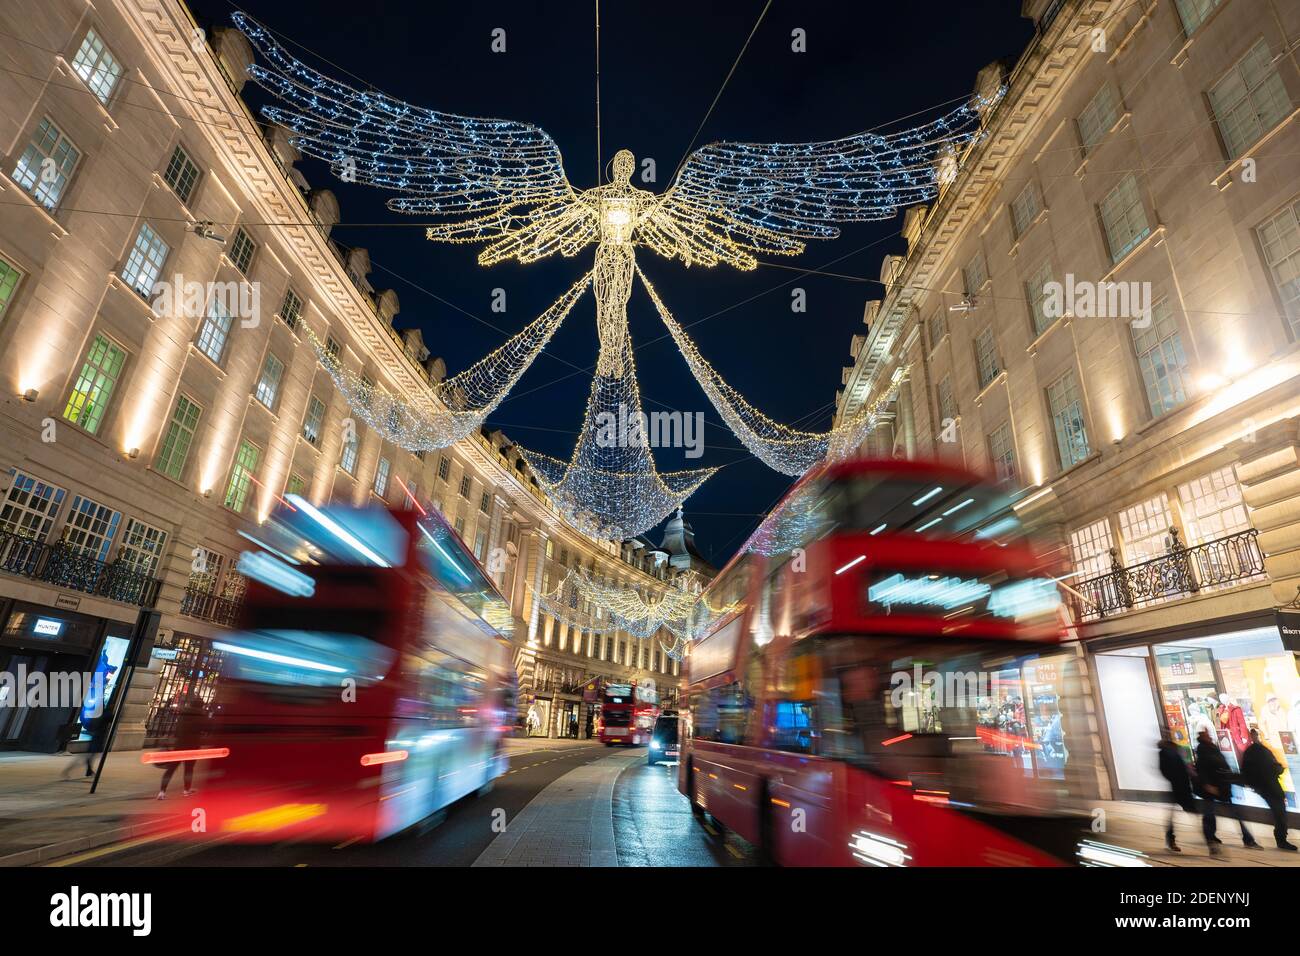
[{"x": 627, "y": 713}]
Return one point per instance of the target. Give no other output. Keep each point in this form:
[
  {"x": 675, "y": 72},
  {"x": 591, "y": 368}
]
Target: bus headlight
[
  {"x": 655, "y": 745},
  {"x": 876, "y": 850}
]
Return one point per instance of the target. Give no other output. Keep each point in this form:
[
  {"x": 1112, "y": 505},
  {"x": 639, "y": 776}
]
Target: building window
[
  {"x": 1124, "y": 218},
  {"x": 312, "y": 423},
  {"x": 296, "y": 485},
  {"x": 1159, "y": 349},
  {"x": 332, "y": 346},
  {"x": 986, "y": 357},
  {"x": 241, "y": 251},
  {"x": 444, "y": 467},
  {"x": 94, "y": 387},
  {"x": 975, "y": 274},
  {"x": 464, "y": 487},
  {"x": 460, "y": 527},
  {"x": 935, "y": 325},
  {"x": 348, "y": 456},
  {"x": 1024, "y": 208},
  {"x": 145, "y": 263},
  {"x": 485, "y": 503},
  {"x": 97, "y": 68},
  {"x": 1002, "y": 452},
  {"x": 381, "y": 477},
  {"x": 1144, "y": 529},
  {"x": 215, "y": 331},
  {"x": 91, "y": 527},
  {"x": 241, "y": 477},
  {"x": 9, "y": 276},
  {"x": 206, "y": 570},
  {"x": 291, "y": 308},
  {"x": 30, "y": 507},
  {"x": 1090, "y": 548},
  {"x": 181, "y": 174},
  {"x": 1212, "y": 506},
  {"x": 1098, "y": 117},
  {"x": 180, "y": 436},
  {"x": 1249, "y": 101},
  {"x": 142, "y": 546},
  {"x": 46, "y": 181},
  {"x": 268, "y": 384},
  {"x": 1280, "y": 239},
  {"x": 1036, "y": 296},
  {"x": 947, "y": 406},
  {"x": 1067, "y": 418},
  {"x": 480, "y": 545},
  {"x": 1194, "y": 12}
]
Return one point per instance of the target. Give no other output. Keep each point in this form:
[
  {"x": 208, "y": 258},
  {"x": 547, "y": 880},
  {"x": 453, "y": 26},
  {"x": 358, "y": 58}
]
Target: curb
[{"x": 53, "y": 851}]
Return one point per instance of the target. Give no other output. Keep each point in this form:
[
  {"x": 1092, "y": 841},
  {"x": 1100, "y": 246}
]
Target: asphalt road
[{"x": 653, "y": 826}]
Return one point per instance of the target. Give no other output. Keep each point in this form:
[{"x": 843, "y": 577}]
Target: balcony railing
[
  {"x": 1182, "y": 571},
  {"x": 201, "y": 603},
  {"x": 65, "y": 566}
]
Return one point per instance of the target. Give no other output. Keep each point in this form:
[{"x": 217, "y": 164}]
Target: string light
[
  {"x": 784, "y": 449},
  {"x": 458, "y": 406},
  {"x": 503, "y": 183}
]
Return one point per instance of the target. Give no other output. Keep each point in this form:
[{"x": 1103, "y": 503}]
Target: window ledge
[
  {"x": 303, "y": 440},
  {"x": 1133, "y": 31},
  {"x": 162, "y": 185},
  {"x": 1224, "y": 179},
  {"x": 1117, "y": 125},
  {"x": 1154, "y": 238},
  {"x": 254, "y": 400},
  {"x": 935, "y": 348},
  {"x": 1000, "y": 377},
  {"x": 66, "y": 69},
  {"x": 1093, "y": 457},
  {"x": 1185, "y": 50},
  {"x": 1015, "y": 246},
  {"x": 8, "y": 185},
  {"x": 1033, "y": 347},
  {"x": 117, "y": 282},
  {"x": 195, "y": 350}
]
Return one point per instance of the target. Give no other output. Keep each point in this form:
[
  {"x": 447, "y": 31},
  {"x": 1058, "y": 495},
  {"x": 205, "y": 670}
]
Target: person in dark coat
[
  {"x": 1174, "y": 769},
  {"x": 1215, "y": 779},
  {"x": 189, "y": 736},
  {"x": 1260, "y": 770}
]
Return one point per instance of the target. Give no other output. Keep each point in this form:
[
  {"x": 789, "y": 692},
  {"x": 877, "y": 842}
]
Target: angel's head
[{"x": 624, "y": 166}]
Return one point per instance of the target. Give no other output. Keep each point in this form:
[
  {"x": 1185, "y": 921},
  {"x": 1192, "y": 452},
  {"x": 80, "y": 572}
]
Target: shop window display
[{"x": 1228, "y": 684}]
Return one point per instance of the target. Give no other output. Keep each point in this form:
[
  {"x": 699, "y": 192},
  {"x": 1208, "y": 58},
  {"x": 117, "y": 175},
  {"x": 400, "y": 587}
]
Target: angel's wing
[
  {"x": 732, "y": 201},
  {"x": 488, "y": 179}
]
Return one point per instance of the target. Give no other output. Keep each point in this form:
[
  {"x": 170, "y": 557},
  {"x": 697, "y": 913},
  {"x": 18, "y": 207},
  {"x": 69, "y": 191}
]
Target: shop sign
[
  {"x": 67, "y": 602},
  {"x": 1288, "y": 625}
]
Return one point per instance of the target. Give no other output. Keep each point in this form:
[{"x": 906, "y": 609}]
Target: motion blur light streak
[
  {"x": 329, "y": 524},
  {"x": 926, "y": 497},
  {"x": 878, "y": 850},
  {"x": 1092, "y": 853},
  {"x": 276, "y": 818},
  {"x": 387, "y": 756},
  {"x": 173, "y": 756},
  {"x": 895, "y": 740},
  {"x": 274, "y": 573},
  {"x": 858, "y": 560},
  {"x": 276, "y": 658}
]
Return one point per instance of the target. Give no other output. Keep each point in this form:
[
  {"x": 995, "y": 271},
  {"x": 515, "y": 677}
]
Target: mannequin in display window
[
  {"x": 1233, "y": 720},
  {"x": 1198, "y": 714}
]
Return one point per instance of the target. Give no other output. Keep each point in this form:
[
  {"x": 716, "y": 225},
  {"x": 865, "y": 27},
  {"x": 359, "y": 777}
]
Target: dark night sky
[{"x": 867, "y": 63}]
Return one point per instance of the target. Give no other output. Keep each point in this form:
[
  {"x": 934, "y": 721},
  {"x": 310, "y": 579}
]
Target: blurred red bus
[
  {"x": 880, "y": 682},
  {"x": 627, "y": 713},
  {"x": 367, "y": 686}
]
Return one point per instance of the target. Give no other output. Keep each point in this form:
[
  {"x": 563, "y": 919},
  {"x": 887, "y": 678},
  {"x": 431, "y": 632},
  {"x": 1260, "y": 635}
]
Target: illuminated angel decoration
[{"x": 502, "y": 183}]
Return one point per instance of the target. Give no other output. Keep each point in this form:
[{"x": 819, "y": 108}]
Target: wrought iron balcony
[
  {"x": 1181, "y": 571},
  {"x": 66, "y": 566},
  {"x": 199, "y": 602}
]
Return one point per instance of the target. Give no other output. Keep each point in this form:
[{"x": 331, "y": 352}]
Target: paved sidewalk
[
  {"x": 1141, "y": 826},
  {"x": 570, "y": 823},
  {"x": 44, "y": 815}
]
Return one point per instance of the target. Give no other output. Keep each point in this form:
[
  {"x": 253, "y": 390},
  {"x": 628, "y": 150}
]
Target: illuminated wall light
[
  {"x": 30, "y": 395},
  {"x": 133, "y": 454}
]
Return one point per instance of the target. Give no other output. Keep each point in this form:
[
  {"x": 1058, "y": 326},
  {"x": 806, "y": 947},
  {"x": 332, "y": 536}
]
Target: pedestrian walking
[
  {"x": 1260, "y": 770},
  {"x": 1174, "y": 769},
  {"x": 189, "y": 736},
  {"x": 1215, "y": 779}
]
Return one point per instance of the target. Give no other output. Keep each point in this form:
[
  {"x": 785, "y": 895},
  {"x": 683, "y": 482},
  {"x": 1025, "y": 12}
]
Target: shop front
[
  {"x": 60, "y": 669},
  {"x": 1226, "y": 678}
]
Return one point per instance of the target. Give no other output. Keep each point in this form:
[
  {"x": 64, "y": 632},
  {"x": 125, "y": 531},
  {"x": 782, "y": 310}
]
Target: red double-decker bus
[
  {"x": 881, "y": 681},
  {"x": 366, "y": 687},
  {"x": 628, "y": 712}
]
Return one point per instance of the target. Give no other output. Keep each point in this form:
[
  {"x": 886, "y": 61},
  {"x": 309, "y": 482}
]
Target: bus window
[
  {"x": 308, "y": 663},
  {"x": 721, "y": 714}
]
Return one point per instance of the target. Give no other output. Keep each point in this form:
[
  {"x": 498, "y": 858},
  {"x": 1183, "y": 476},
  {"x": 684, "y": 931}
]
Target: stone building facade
[
  {"x": 1102, "y": 309},
  {"x": 136, "y": 444}
]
